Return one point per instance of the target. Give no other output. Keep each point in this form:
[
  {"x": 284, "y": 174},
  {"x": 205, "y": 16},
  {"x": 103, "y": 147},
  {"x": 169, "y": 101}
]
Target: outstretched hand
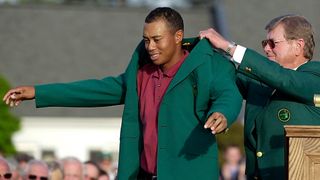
[
  {"x": 16, "y": 95},
  {"x": 216, "y": 122}
]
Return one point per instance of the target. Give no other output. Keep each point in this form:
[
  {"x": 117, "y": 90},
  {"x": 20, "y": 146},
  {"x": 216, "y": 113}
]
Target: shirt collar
[
  {"x": 173, "y": 70},
  {"x": 299, "y": 66}
]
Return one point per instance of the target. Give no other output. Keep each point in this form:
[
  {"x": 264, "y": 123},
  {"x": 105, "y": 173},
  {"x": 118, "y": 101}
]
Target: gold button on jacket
[{"x": 259, "y": 154}]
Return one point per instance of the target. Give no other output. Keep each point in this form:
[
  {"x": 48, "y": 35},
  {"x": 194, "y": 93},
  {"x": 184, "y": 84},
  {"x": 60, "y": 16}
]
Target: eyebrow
[{"x": 156, "y": 36}]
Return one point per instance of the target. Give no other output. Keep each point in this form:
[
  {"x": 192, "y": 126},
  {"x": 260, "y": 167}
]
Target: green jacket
[
  {"x": 205, "y": 83},
  {"x": 275, "y": 96}
]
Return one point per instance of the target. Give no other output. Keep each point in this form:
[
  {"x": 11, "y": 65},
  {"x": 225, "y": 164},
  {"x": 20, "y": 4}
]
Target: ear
[
  {"x": 179, "y": 36},
  {"x": 299, "y": 47}
]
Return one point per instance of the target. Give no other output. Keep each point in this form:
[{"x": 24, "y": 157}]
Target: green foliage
[
  {"x": 233, "y": 137},
  {"x": 8, "y": 123}
]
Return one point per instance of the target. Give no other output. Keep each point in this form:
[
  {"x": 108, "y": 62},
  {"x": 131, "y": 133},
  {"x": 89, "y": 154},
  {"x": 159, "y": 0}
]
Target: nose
[
  {"x": 267, "y": 49},
  {"x": 150, "y": 45}
]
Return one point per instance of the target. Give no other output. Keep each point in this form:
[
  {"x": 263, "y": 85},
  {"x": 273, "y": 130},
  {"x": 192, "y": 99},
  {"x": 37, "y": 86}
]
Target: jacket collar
[
  {"x": 200, "y": 51},
  {"x": 197, "y": 56}
]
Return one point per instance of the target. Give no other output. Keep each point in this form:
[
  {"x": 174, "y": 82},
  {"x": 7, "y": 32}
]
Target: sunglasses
[
  {"x": 272, "y": 43},
  {"x": 90, "y": 178},
  {"x": 6, "y": 175},
  {"x": 32, "y": 177}
]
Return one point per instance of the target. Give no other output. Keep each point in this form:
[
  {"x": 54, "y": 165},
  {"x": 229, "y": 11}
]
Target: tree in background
[{"x": 9, "y": 124}]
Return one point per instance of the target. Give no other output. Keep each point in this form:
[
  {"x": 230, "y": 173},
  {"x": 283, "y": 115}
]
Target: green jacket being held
[{"x": 205, "y": 83}]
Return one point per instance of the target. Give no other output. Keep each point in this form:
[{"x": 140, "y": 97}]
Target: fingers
[
  {"x": 205, "y": 33},
  {"x": 220, "y": 127},
  {"x": 13, "y": 102},
  {"x": 202, "y": 34},
  {"x": 15, "y": 96},
  {"x": 11, "y": 99},
  {"x": 214, "y": 37},
  {"x": 216, "y": 122},
  {"x": 8, "y": 94}
]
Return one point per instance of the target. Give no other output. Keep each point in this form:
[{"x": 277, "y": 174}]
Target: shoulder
[
  {"x": 313, "y": 63},
  {"x": 310, "y": 66}
]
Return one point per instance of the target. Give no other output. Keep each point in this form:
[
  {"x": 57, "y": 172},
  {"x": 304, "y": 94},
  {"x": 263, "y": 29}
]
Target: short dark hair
[{"x": 171, "y": 16}]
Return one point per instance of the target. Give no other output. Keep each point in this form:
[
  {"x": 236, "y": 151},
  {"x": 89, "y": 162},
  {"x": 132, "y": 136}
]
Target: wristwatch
[{"x": 230, "y": 46}]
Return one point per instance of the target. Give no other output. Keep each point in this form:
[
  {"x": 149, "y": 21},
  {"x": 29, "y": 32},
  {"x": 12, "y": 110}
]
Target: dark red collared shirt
[{"x": 152, "y": 84}]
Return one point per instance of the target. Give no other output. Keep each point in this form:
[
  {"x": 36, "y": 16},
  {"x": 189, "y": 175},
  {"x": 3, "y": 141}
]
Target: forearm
[
  {"x": 301, "y": 84},
  {"x": 228, "y": 102},
  {"x": 225, "y": 96},
  {"x": 86, "y": 93}
]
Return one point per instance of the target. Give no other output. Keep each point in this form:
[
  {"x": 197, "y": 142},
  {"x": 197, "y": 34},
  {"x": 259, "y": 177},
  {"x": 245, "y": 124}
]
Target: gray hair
[
  {"x": 33, "y": 163},
  {"x": 71, "y": 160},
  {"x": 295, "y": 27},
  {"x": 4, "y": 161}
]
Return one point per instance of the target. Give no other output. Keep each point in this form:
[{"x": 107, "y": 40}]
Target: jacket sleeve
[
  {"x": 301, "y": 84},
  {"x": 85, "y": 93},
  {"x": 224, "y": 95}
]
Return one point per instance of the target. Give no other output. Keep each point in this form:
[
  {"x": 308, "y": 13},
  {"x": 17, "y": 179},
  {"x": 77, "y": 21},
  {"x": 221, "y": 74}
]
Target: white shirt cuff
[{"x": 238, "y": 54}]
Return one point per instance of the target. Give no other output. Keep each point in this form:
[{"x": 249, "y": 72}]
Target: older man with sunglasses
[
  {"x": 279, "y": 90},
  {"x": 36, "y": 170},
  {"x": 5, "y": 172}
]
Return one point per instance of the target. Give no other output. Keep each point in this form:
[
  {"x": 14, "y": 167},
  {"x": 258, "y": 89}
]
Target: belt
[{"x": 143, "y": 175}]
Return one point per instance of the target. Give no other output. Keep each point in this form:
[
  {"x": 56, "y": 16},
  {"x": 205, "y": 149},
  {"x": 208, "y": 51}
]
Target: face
[
  {"x": 56, "y": 174},
  {"x": 162, "y": 45},
  {"x": 5, "y": 173},
  {"x": 233, "y": 155},
  {"x": 16, "y": 175},
  {"x": 103, "y": 177},
  {"x": 91, "y": 172},
  {"x": 72, "y": 171},
  {"x": 38, "y": 172},
  {"x": 279, "y": 49}
]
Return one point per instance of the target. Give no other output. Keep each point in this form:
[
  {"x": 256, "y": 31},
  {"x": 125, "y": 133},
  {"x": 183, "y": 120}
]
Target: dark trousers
[{"x": 143, "y": 175}]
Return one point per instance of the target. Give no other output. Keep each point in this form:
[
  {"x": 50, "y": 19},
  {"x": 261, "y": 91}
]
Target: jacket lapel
[{"x": 199, "y": 54}]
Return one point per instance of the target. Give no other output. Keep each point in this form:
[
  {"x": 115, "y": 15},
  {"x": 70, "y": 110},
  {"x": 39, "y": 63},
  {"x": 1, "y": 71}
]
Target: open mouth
[{"x": 154, "y": 57}]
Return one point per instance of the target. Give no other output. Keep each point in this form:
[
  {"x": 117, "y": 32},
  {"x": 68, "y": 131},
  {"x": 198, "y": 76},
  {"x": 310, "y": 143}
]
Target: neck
[
  {"x": 296, "y": 64},
  {"x": 174, "y": 60}
]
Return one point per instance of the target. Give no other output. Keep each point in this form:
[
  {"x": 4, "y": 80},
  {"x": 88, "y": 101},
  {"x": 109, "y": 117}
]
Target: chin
[
  {"x": 156, "y": 62},
  {"x": 272, "y": 59}
]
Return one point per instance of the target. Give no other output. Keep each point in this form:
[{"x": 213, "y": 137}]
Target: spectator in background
[
  {"x": 36, "y": 170},
  {"x": 103, "y": 175},
  {"x": 91, "y": 170},
  {"x": 107, "y": 165},
  {"x": 22, "y": 161},
  {"x": 55, "y": 171},
  {"x": 5, "y": 172},
  {"x": 233, "y": 167},
  {"x": 16, "y": 173},
  {"x": 72, "y": 169}
]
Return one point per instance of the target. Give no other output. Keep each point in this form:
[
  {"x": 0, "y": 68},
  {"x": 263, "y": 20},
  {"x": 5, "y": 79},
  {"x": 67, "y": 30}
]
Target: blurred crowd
[{"x": 25, "y": 167}]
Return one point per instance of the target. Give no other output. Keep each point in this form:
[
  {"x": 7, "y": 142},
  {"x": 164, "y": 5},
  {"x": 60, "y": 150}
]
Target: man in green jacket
[
  {"x": 177, "y": 95},
  {"x": 279, "y": 90}
]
